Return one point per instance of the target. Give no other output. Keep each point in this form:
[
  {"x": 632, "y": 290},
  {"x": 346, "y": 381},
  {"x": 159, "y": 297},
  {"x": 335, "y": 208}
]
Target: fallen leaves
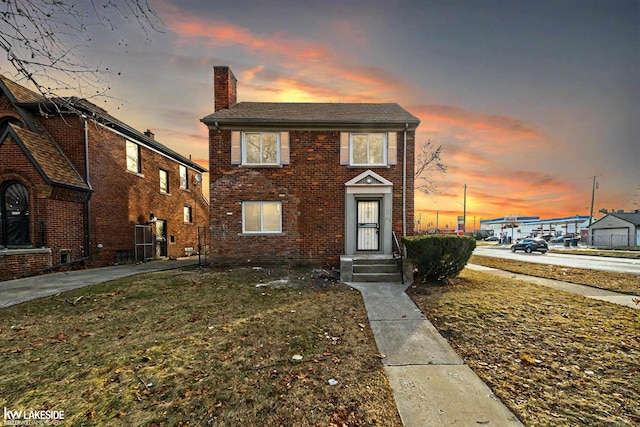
[{"x": 554, "y": 358}]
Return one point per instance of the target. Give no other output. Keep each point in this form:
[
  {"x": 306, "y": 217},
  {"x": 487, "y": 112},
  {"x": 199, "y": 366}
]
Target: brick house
[
  {"x": 75, "y": 181},
  {"x": 311, "y": 183}
]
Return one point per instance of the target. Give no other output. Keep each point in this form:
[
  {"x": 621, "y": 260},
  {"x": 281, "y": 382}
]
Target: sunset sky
[{"x": 530, "y": 99}]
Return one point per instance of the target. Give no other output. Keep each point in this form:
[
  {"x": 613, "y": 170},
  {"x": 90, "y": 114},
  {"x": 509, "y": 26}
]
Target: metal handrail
[{"x": 397, "y": 255}]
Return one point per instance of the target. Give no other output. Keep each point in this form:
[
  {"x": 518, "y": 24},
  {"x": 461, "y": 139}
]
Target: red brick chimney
[
  {"x": 224, "y": 85},
  {"x": 150, "y": 134}
]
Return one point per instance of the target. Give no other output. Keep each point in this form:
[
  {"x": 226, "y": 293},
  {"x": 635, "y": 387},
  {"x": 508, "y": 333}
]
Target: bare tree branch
[
  {"x": 44, "y": 39},
  {"x": 428, "y": 161}
]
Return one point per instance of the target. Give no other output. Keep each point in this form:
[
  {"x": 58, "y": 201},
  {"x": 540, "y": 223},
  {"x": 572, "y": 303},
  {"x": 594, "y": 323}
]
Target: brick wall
[
  {"x": 16, "y": 264},
  {"x": 311, "y": 189},
  {"x": 122, "y": 199},
  {"x": 56, "y": 215}
]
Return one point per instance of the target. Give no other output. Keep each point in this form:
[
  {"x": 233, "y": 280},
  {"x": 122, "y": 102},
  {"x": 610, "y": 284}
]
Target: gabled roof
[
  {"x": 315, "y": 115},
  {"x": 104, "y": 118},
  {"x": 18, "y": 93},
  {"x": 45, "y": 155},
  {"x": 25, "y": 100},
  {"x": 630, "y": 217}
]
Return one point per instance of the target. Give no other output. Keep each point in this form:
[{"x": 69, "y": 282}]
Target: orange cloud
[
  {"x": 495, "y": 127},
  {"x": 355, "y": 82}
]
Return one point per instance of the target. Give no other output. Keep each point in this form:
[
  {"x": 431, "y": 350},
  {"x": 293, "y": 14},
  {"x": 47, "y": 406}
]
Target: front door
[
  {"x": 368, "y": 227},
  {"x": 161, "y": 237},
  {"x": 14, "y": 215}
]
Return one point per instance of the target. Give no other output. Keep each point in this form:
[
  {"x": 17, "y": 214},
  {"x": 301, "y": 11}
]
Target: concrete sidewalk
[
  {"x": 586, "y": 291},
  {"x": 20, "y": 290},
  {"x": 431, "y": 384}
]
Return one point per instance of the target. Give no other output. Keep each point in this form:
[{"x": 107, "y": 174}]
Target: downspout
[
  {"x": 404, "y": 182},
  {"x": 86, "y": 174}
]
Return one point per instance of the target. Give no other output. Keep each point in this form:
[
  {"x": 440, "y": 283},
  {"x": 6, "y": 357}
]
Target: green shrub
[{"x": 438, "y": 257}]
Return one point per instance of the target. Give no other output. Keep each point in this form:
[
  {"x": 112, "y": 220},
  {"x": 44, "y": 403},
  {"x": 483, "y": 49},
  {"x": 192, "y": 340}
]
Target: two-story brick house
[
  {"x": 307, "y": 182},
  {"x": 75, "y": 182}
]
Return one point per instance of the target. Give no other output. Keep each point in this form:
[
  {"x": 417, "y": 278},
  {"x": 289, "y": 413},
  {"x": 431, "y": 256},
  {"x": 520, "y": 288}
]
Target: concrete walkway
[
  {"x": 586, "y": 291},
  {"x": 30, "y": 288},
  {"x": 431, "y": 384}
]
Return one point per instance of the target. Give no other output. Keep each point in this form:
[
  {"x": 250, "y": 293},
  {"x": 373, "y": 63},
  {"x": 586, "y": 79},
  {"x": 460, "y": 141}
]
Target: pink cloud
[
  {"x": 495, "y": 127},
  {"x": 355, "y": 82}
]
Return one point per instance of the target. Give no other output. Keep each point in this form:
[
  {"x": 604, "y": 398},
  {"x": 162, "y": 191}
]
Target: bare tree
[
  {"x": 428, "y": 161},
  {"x": 43, "y": 40}
]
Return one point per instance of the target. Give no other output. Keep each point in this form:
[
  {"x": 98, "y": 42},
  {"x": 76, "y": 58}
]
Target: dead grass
[
  {"x": 599, "y": 253},
  {"x": 197, "y": 348},
  {"x": 554, "y": 358},
  {"x": 617, "y": 282}
]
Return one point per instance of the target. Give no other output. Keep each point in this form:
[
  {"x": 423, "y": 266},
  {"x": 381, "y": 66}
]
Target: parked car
[
  {"x": 560, "y": 239},
  {"x": 492, "y": 239},
  {"x": 530, "y": 245}
]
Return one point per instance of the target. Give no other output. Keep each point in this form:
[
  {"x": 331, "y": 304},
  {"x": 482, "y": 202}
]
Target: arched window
[{"x": 14, "y": 213}]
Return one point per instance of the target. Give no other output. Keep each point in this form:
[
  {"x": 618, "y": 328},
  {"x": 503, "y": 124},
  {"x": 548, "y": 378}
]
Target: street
[{"x": 618, "y": 265}]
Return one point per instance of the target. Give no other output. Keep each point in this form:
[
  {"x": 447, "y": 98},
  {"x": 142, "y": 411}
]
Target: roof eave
[{"x": 265, "y": 124}]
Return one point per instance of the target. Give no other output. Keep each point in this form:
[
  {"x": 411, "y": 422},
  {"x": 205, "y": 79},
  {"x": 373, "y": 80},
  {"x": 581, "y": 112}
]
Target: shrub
[{"x": 438, "y": 257}]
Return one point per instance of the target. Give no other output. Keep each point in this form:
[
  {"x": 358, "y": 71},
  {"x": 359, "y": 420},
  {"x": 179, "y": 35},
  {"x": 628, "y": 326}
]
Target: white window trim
[
  {"x": 261, "y": 203},
  {"x": 244, "y": 149},
  {"x": 138, "y": 170},
  {"x": 385, "y": 148},
  {"x": 186, "y": 172},
  {"x": 168, "y": 189},
  {"x": 190, "y": 210}
]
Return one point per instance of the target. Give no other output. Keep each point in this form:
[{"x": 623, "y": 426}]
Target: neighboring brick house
[
  {"x": 75, "y": 181},
  {"x": 307, "y": 182}
]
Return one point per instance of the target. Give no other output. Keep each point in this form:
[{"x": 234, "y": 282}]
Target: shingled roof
[
  {"x": 21, "y": 94},
  {"x": 103, "y": 117},
  {"x": 632, "y": 217},
  {"x": 25, "y": 100},
  {"x": 54, "y": 167},
  {"x": 325, "y": 115}
]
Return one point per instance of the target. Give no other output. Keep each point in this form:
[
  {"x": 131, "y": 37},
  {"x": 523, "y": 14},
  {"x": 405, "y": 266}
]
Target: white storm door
[{"x": 368, "y": 231}]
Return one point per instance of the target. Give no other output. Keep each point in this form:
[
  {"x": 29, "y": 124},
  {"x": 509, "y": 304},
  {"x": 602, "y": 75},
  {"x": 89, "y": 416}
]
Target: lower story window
[
  {"x": 261, "y": 217},
  {"x": 187, "y": 213}
]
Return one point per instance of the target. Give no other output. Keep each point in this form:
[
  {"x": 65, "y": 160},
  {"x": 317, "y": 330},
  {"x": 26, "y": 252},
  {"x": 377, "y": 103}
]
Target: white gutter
[{"x": 404, "y": 182}]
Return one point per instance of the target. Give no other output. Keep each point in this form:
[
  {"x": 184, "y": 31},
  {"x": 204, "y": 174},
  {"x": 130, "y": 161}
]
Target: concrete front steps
[{"x": 369, "y": 268}]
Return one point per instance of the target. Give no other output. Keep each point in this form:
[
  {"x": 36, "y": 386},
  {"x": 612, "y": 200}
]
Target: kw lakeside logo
[{"x": 30, "y": 418}]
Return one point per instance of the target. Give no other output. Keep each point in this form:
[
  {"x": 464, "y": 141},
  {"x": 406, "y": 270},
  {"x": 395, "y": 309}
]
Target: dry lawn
[
  {"x": 554, "y": 358},
  {"x": 197, "y": 348},
  {"x": 617, "y": 282}
]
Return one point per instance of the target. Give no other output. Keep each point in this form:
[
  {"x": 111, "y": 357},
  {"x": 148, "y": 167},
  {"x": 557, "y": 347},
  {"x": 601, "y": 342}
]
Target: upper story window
[
  {"x": 261, "y": 217},
  {"x": 184, "y": 180},
  {"x": 368, "y": 149},
  {"x": 164, "y": 181},
  {"x": 133, "y": 157},
  {"x": 261, "y": 148},
  {"x": 266, "y": 149}
]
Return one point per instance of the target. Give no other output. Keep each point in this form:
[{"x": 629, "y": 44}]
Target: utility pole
[
  {"x": 593, "y": 196},
  {"x": 464, "y": 213}
]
